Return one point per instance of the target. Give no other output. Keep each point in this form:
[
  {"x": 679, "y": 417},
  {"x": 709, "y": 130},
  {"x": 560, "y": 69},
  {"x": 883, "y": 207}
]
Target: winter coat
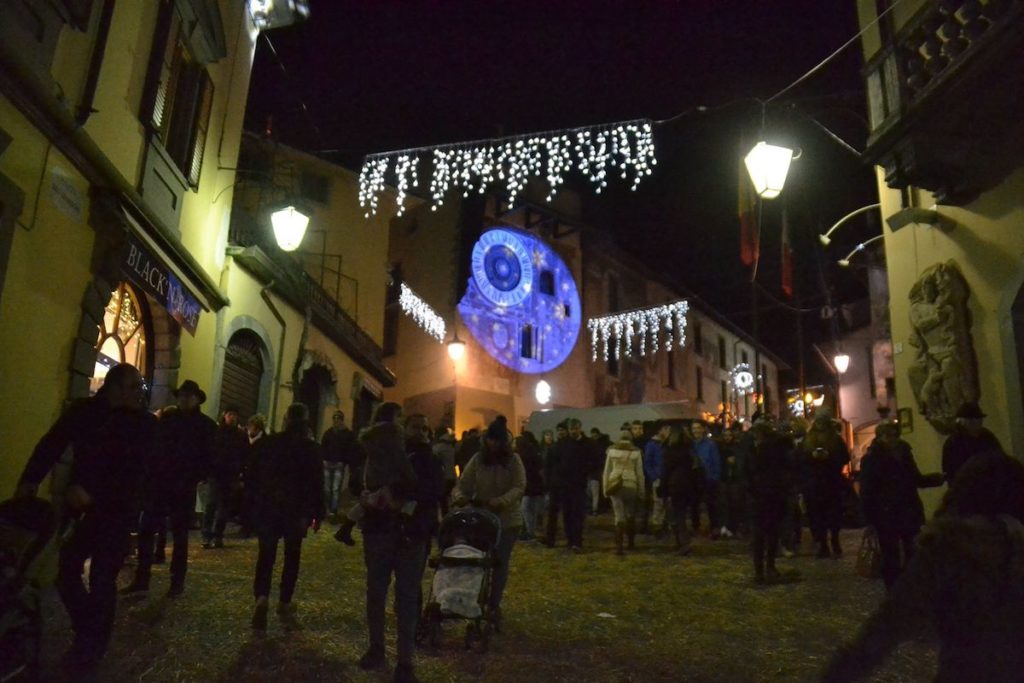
[
  {"x": 228, "y": 456},
  {"x": 501, "y": 484},
  {"x": 889, "y": 479},
  {"x": 624, "y": 461},
  {"x": 823, "y": 455},
  {"x": 965, "y": 583},
  {"x": 707, "y": 453},
  {"x": 387, "y": 463},
  {"x": 575, "y": 459},
  {"x": 110, "y": 446},
  {"x": 534, "y": 468},
  {"x": 550, "y": 454},
  {"x": 339, "y": 445},
  {"x": 428, "y": 490},
  {"x": 682, "y": 473},
  {"x": 289, "y": 486},
  {"x": 182, "y": 456},
  {"x": 961, "y": 447},
  {"x": 770, "y": 469},
  {"x": 652, "y": 461}
]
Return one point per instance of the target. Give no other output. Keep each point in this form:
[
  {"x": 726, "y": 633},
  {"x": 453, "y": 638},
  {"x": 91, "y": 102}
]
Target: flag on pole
[
  {"x": 787, "y": 256},
  {"x": 750, "y": 248}
]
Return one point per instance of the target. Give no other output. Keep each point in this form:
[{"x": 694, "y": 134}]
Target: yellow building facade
[{"x": 947, "y": 128}]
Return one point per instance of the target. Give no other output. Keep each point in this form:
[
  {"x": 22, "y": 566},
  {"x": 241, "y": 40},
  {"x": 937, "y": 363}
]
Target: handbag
[
  {"x": 869, "y": 557},
  {"x": 614, "y": 484}
]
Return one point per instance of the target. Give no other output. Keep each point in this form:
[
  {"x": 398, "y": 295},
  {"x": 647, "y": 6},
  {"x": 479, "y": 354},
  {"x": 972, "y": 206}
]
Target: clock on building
[{"x": 521, "y": 304}]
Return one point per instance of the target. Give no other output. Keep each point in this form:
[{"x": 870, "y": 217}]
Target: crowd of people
[{"x": 134, "y": 471}]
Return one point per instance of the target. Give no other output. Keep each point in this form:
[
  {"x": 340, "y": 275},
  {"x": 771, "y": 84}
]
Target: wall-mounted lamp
[
  {"x": 845, "y": 262},
  {"x": 542, "y": 392},
  {"x": 456, "y": 347},
  {"x": 842, "y": 362},
  {"x": 289, "y": 227},
  {"x": 826, "y": 238}
]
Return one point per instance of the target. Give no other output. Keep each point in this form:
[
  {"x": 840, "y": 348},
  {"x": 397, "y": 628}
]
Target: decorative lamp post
[
  {"x": 456, "y": 348},
  {"x": 768, "y": 166},
  {"x": 289, "y": 227}
]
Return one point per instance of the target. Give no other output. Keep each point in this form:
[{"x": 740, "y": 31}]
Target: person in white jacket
[{"x": 623, "y": 483}]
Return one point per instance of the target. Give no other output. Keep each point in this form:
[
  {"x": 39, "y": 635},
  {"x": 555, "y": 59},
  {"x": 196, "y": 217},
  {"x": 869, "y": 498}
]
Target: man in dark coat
[
  {"x": 769, "y": 473},
  {"x": 889, "y": 479},
  {"x": 109, "y": 435},
  {"x": 289, "y": 498},
  {"x": 969, "y": 439},
  {"x": 339, "y": 449},
  {"x": 823, "y": 455},
  {"x": 229, "y": 450},
  {"x": 554, "y": 483},
  {"x": 575, "y": 457},
  {"x": 180, "y": 460}
]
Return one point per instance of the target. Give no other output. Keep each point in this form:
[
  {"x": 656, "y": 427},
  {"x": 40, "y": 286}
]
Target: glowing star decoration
[
  {"x": 422, "y": 313},
  {"x": 521, "y": 305},
  {"x": 616, "y": 335},
  {"x": 597, "y": 152},
  {"x": 742, "y": 379}
]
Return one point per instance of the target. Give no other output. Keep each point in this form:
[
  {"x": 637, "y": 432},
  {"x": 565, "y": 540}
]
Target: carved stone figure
[{"x": 943, "y": 373}]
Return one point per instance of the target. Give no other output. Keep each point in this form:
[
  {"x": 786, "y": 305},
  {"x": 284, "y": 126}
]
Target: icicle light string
[
  {"x": 612, "y": 335},
  {"x": 626, "y": 149},
  {"x": 422, "y": 313}
]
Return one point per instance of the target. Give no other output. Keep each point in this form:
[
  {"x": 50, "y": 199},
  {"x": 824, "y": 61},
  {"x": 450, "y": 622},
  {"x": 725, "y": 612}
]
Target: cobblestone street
[{"x": 596, "y": 617}]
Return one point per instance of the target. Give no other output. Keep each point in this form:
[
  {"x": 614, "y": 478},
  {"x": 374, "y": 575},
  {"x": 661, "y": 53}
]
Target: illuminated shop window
[{"x": 122, "y": 338}]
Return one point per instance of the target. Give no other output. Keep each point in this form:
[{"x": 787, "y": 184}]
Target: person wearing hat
[
  {"x": 969, "y": 439},
  {"x": 496, "y": 479},
  {"x": 289, "y": 487},
  {"x": 179, "y": 462}
]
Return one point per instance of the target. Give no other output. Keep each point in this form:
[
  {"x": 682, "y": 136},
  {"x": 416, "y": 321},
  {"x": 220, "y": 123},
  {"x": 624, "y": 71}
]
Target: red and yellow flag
[{"x": 750, "y": 247}]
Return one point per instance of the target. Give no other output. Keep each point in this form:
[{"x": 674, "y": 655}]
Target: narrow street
[{"x": 651, "y": 616}]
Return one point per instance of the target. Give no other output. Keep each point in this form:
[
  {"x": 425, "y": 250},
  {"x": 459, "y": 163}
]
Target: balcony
[
  {"x": 250, "y": 245},
  {"x": 944, "y": 94}
]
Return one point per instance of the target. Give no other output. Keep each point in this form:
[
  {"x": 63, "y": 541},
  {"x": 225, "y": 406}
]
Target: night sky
[{"x": 380, "y": 75}]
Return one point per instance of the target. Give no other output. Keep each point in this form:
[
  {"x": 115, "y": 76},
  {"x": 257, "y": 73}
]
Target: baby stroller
[
  {"x": 462, "y": 576},
  {"x": 27, "y": 527}
]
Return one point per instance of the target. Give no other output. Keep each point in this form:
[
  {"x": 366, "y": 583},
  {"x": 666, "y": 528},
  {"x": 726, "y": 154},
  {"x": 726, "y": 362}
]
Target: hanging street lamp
[
  {"x": 456, "y": 348},
  {"x": 768, "y": 166},
  {"x": 289, "y": 227}
]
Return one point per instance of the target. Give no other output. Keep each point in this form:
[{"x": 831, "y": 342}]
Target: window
[
  {"x": 122, "y": 338},
  {"x": 722, "y": 360},
  {"x": 613, "y": 362},
  {"x": 613, "y": 294},
  {"x": 698, "y": 339},
  {"x": 314, "y": 187},
  {"x": 527, "y": 342},
  {"x": 745, "y": 357},
  {"x": 725, "y": 394},
  {"x": 670, "y": 363},
  {"x": 872, "y": 389},
  {"x": 179, "y": 97},
  {"x": 700, "y": 384},
  {"x": 547, "y": 282}
]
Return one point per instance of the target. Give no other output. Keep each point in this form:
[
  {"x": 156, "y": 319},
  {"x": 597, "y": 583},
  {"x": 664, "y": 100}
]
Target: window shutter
[
  {"x": 163, "y": 103},
  {"x": 202, "y": 124}
]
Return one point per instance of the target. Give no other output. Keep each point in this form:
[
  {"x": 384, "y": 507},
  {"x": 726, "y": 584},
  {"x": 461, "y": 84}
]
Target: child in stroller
[
  {"x": 462, "y": 575},
  {"x": 27, "y": 531}
]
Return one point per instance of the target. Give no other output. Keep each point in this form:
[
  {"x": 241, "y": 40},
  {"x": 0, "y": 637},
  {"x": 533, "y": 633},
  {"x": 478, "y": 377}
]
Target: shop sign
[{"x": 155, "y": 277}]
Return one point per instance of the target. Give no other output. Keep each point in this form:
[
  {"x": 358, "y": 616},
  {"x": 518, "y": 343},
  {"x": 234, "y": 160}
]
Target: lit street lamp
[
  {"x": 289, "y": 227},
  {"x": 542, "y": 392},
  {"x": 456, "y": 348},
  {"x": 842, "y": 362},
  {"x": 768, "y": 166}
]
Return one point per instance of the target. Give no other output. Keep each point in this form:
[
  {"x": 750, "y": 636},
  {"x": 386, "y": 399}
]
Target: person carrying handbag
[{"x": 623, "y": 484}]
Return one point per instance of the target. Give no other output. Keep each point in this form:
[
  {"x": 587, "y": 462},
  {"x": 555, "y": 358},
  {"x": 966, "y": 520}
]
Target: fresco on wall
[
  {"x": 522, "y": 305},
  {"x": 943, "y": 374}
]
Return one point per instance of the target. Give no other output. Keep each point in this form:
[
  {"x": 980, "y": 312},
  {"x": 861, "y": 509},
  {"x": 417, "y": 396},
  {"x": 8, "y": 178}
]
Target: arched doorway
[
  {"x": 122, "y": 337},
  {"x": 243, "y": 374},
  {"x": 314, "y": 387}
]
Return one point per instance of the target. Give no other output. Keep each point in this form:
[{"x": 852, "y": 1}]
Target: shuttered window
[
  {"x": 243, "y": 370},
  {"x": 179, "y": 98}
]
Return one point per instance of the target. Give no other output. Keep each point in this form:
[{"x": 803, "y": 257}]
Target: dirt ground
[{"x": 649, "y": 616}]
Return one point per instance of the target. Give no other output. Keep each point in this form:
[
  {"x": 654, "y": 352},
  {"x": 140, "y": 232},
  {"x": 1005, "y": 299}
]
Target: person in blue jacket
[{"x": 706, "y": 451}]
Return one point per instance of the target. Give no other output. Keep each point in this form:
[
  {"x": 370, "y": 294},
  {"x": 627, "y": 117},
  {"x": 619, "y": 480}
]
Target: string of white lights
[
  {"x": 422, "y": 313},
  {"x": 742, "y": 379},
  {"x": 626, "y": 148},
  {"x": 613, "y": 334}
]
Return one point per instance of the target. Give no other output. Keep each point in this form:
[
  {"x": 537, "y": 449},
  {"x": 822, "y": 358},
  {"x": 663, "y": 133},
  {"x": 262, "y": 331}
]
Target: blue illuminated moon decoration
[{"x": 521, "y": 304}]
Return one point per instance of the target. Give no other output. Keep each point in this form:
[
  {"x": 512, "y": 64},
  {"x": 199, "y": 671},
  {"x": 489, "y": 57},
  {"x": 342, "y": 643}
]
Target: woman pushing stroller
[{"x": 495, "y": 479}]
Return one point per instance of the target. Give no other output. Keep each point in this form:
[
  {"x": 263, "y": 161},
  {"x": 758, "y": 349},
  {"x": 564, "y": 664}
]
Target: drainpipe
[
  {"x": 85, "y": 109},
  {"x": 280, "y": 349}
]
